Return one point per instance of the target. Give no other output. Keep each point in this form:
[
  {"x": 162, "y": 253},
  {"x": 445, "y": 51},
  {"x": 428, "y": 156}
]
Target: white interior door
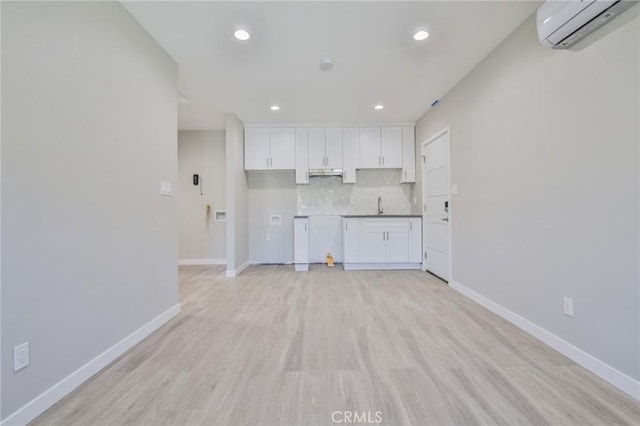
[{"x": 436, "y": 199}]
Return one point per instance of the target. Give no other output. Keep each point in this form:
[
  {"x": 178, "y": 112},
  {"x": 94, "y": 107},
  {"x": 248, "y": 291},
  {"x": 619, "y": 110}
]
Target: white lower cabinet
[
  {"x": 415, "y": 239},
  {"x": 351, "y": 250},
  {"x": 382, "y": 242},
  {"x": 301, "y": 243}
]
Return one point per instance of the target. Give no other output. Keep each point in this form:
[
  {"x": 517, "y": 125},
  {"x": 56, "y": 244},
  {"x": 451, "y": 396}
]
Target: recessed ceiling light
[
  {"x": 274, "y": 108},
  {"x": 378, "y": 107},
  {"x": 242, "y": 35},
  {"x": 420, "y": 35}
]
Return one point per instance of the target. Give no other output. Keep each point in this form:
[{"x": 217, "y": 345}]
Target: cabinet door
[
  {"x": 370, "y": 157},
  {"x": 256, "y": 149},
  {"x": 333, "y": 148},
  {"x": 350, "y": 142},
  {"x": 373, "y": 245},
  {"x": 301, "y": 240},
  {"x": 316, "y": 149},
  {"x": 408, "y": 155},
  {"x": 282, "y": 149},
  {"x": 350, "y": 240},
  {"x": 397, "y": 246},
  {"x": 302, "y": 156},
  {"x": 415, "y": 240},
  {"x": 391, "y": 147}
]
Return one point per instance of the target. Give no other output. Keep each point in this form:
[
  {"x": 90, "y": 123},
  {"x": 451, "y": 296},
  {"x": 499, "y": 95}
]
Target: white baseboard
[
  {"x": 41, "y": 403},
  {"x": 605, "y": 371},
  {"x": 232, "y": 273},
  {"x": 202, "y": 262},
  {"x": 379, "y": 266}
]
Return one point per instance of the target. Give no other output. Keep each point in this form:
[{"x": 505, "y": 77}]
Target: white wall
[
  {"x": 237, "y": 198},
  {"x": 545, "y": 153},
  {"x": 271, "y": 193},
  {"x": 200, "y": 237},
  {"x": 89, "y": 131}
]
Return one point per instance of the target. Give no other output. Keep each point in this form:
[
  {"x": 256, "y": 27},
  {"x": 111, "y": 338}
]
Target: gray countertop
[{"x": 381, "y": 215}]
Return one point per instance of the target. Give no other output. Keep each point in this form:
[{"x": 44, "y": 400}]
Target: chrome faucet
[{"x": 380, "y": 205}]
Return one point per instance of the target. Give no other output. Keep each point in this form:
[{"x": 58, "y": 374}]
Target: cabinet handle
[
  {"x": 267, "y": 161},
  {"x": 307, "y": 174},
  {"x": 379, "y": 161},
  {"x": 305, "y": 226},
  {"x": 383, "y": 160},
  {"x": 405, "y": 175},
  {"x": 346, "y": 226},
  {"x": 410, "y": 226}
]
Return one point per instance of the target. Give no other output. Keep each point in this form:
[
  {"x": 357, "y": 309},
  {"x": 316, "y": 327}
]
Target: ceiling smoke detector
[{"x": 326, "y": 64}]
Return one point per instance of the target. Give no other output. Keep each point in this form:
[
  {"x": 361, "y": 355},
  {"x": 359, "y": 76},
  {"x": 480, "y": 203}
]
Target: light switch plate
[
  {"x": 454, "y": 189},
  {"x": 21, "y": 356},
  {"x": 568, "y": 306},
  {"x": 165, "y": 188}
]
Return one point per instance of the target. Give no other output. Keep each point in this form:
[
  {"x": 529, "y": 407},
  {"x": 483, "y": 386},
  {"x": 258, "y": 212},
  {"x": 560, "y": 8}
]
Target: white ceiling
[{"x": 375, "y": 58}]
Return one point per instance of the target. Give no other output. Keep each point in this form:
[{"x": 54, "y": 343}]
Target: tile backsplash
[{"x": 329, "y": 196}]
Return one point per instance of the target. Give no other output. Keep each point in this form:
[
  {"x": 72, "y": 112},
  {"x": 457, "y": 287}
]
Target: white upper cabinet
[
  {"x": 391, "y": 147},
  {"x": 333, "y": 148},
  {"x": 325, "y": 148},
  {"x": 381, "y": 148},
  {"x": 408, "y": 155},
  {"x": 283, "y": 149},
  {"x": 316, "y": 148},
  {"x": 370, "y": 148},
  {"x": 350, "y": 148},
  {"x": 269, "y": 149},
  {"x": 350, "y": 154},
  {"x": 256, "y": 149},
  {"x": 302, "y": 156}
]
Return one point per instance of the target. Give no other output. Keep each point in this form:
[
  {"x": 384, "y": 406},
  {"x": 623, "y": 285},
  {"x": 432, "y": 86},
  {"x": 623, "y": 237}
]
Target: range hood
[{"x": 325, "y": 172}]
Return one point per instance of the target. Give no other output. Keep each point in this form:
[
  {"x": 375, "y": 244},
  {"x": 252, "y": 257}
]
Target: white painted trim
[
  {"x": 605, "y": 371},
  {"x": 301, "y": 267},
  {"x": 55, "y": 393},
  {"x": 232, "y": 273},
  {"x": 379, "y": 266},
  {"x": 423, "y": 266},
  {"x": 343, "y": 125},
  {"x": 202, "y": 262}
]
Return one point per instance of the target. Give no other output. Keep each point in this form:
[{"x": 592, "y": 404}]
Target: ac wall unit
[{"x": 563, "y": 23}]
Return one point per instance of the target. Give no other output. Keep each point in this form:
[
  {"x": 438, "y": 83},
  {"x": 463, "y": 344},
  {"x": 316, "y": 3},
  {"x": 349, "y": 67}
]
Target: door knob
[{"x": 444, "y": 219}]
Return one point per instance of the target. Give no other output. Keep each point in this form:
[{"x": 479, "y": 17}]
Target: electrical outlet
[
  {"x": 21, "y": 356},
  {"x": 568, "y": 306},
  {"x": 165, "y": 188},
  {"x": 268, "y": 237}
]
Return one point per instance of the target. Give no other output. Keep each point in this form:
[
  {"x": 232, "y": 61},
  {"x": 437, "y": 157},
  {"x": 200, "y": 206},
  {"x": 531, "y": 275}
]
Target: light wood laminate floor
[{"x": 275, "y": 347}]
